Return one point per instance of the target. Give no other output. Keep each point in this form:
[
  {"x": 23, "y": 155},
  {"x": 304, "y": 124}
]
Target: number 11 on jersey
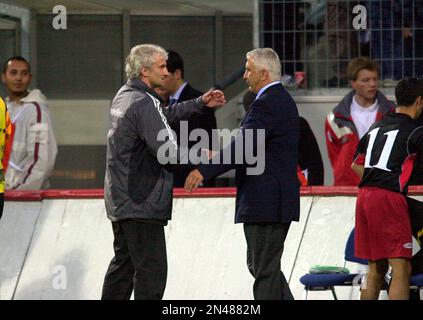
[{"x": 386, "y": 151}]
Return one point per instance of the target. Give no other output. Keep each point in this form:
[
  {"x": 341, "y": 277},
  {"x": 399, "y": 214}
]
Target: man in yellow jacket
[{"x": 5, "y": 134}]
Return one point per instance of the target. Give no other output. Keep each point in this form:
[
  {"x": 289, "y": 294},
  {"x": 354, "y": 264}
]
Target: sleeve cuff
[
  {"x": 201, "y": 103},
  {"x": 203, "y": 170}
]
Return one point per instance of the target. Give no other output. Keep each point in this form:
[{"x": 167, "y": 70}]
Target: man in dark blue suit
[{"x": 268, "y": 197}]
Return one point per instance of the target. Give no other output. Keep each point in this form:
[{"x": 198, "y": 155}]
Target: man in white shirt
[{"x": 363, "y": 117}]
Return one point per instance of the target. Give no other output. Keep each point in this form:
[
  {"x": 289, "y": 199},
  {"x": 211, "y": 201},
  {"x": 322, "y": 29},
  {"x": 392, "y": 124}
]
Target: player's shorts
[{"x": 382, "y": 225}]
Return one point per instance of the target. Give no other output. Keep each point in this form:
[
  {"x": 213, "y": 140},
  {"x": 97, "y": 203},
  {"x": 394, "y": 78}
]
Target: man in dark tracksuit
[
  {"x": 138, "y": 185},
  {"x": 267, "y": 201}
]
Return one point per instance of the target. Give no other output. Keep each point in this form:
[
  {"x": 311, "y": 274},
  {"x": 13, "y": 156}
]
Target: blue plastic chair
[
  {"x": 416, "y": 283},
  {"x": 324, "y": 281},
  {"x": 416, "y": 217}
]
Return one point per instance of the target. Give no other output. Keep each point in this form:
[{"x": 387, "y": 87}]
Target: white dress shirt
[{"x": 363, "y": 117}]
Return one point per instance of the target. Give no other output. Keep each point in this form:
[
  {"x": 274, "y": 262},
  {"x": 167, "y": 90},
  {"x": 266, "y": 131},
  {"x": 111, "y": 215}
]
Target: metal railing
[{"x": 320, "y": 37}]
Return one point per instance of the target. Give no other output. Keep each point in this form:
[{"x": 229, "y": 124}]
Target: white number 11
[{"x": 386, "y": 151}]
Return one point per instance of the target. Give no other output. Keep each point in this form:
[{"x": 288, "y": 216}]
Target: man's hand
[
  {"x": 214, "y": 98},
  {"x": 210, "y": 153},
  {"x": 193, "y": 180}
]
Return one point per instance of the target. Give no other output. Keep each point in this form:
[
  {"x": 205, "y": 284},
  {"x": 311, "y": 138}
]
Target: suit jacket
[
  {"x": 189, "y": 93},
  {"x": 206, "y": 121},
  {"x": 272, "y": 196}
]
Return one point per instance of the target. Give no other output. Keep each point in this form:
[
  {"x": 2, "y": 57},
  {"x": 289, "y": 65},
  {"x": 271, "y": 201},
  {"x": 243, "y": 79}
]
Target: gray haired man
[
  {"x": 138, "y": 187},
  {"x": 269, "y": 200}
]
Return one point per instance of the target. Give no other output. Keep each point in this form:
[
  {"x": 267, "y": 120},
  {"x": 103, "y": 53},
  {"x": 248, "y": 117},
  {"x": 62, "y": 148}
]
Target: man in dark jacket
[
  {"x": 268, "y": 200},
  {"x": 310, "y": 170},
  {"x": 138, "y": 185},
  {"x": 180, "y": 91}
]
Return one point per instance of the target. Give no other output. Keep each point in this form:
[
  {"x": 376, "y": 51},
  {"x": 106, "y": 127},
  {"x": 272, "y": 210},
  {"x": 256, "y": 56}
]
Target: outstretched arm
[{"x": 184, "y": 110}]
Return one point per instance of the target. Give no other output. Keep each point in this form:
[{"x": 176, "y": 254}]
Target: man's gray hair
[
  {"x": 266, "y": 59},
  {"x": 142, "y": 56}
]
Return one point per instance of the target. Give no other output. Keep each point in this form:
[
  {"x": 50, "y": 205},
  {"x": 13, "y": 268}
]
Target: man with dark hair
[
  {"x": 180, "y": 90},
  {"x": 34, "y": 146},
  {"x": 384, "y": 160},
  {"x": 352, "y": 117}
]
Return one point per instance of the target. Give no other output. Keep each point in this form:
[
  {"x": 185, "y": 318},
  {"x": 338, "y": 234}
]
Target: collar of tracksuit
[
  {"x": 137, "y": 83},
  {"x": 343, "y": 109}
]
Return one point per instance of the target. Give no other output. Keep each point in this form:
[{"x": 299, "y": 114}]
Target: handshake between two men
[{"x": 212, "y": 99}]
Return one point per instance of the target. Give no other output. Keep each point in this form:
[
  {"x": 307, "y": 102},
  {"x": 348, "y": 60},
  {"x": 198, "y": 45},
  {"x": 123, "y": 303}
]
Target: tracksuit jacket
[
  {"x": 137, "y": 185},
  {"x": 34, "y": 146}
]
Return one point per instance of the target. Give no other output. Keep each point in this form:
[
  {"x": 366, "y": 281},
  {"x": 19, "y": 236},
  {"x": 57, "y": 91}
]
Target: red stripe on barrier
[
  {"x": 17, "y": 195},
  {"x": 205, "y": 193},
  {"x": 329, "y": 191},
  {"x": 38, "y": 195}
]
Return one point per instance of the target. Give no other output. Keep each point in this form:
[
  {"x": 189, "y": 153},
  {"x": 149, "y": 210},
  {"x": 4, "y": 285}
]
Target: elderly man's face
[
  {"x": 157, "y": 72},
  {"x": 252, "y": 76},
  {"x": 17, "y": 77}
]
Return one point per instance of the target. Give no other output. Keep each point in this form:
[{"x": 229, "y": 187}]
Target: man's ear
[
  {"x": 264, "y": 75},
  {"x": 177, "y": 74},
  {"x": 145, "y": 72},
  {"x": 3, "y": 78}
]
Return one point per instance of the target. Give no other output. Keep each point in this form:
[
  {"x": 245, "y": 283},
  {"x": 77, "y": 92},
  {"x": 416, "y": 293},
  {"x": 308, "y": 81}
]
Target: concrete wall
[{"x": 60, "y": 249}]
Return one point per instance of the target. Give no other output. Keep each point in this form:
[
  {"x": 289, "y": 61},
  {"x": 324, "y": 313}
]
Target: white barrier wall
[{"x": 60, "y": 249}]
